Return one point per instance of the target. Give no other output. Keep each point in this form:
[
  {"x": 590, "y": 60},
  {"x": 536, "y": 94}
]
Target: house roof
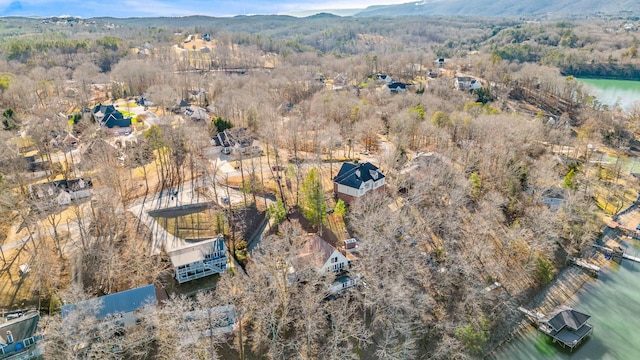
[
  {"x": 567, "y": 317},
  {"x": 117, "y": 303},
  {"x": 196, "y": 252},
  {"x": 314, "y": 253},
  {"x": 71, "y": 185},
  {"x": 116, "y": 119},
  {"x": 21, "y": 328},
  {"x": 397, "y": 85},
  {"x": 353, "y": 175},
  {"x": 104, "y": 109}
]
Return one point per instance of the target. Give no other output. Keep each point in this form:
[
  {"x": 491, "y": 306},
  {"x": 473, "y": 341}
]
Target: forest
[{"x": 239, "y": 129}]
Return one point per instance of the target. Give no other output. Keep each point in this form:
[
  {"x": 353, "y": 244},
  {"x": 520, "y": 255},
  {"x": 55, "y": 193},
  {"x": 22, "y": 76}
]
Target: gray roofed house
[
  {"x": 62, "y": 192},
  {"x": 24, "y": 343},
  {"x": 120, "y": 303},
  {"x": 107, "y": 115},
  {"x": 207, "y": 257},
  {"x": 397, "y": 87},
  {"x": 356, "y": 180}
]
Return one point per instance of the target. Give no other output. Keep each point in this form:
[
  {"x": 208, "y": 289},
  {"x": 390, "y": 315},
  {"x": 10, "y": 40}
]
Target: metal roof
[{"x": 117, "y": 303}]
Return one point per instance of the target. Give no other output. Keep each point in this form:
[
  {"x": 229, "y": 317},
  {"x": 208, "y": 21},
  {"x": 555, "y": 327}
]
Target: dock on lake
[
  {"x": 583, "y": 264},
  {"x": 564, "y": 325},
  {"x": 617, "y": 254}
]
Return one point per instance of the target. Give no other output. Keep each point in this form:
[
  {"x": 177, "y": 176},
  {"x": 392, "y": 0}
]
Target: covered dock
[{"x": 564, "y": 325}]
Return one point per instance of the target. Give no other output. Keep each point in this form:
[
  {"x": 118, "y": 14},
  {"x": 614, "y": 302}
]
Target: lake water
[
  {"x": 613, "y": 301},
  {"x": 610, "y": 92}
]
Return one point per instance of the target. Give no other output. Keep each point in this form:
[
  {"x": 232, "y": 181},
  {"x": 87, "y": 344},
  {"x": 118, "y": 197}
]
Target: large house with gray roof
[
  {"x": 357, "y": 180},
  {"x": 107, "y": 115}
]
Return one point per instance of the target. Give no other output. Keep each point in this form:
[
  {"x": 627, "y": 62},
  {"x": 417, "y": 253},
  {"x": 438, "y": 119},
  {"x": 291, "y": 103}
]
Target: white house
[
  {"x": 339, "y": 82},
  {"x": 467, "y": 83},
  {"x": 321, "y": 256},
  {"x": 356, "y": 180},
  {"x": 201, "y": 259}
]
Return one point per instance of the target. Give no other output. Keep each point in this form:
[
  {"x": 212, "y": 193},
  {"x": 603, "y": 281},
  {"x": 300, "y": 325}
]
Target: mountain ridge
[{"x": 501, "y": 8}]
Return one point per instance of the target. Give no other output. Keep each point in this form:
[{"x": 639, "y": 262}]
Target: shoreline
[{"x": 561, "y": 291}]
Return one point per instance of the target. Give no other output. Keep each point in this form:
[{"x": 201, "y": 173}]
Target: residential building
[
  {"x": 215, "y": 321},
  {"x": 62, "y": 192},
  {"x": 467, "y": 83},
  {"x": 342, "y": 283},
  {"x": 397, "y": 87},
  {"x": 108, "y": 116},
  {"x": 123, "y": 304},
  {"x": 319, "y": 255},
  {"x": 356, "y": 180},
  {"x": 18, "y": 337},
  {"x": 339, "y": 82},
  {"x": 205, "y": 258}
]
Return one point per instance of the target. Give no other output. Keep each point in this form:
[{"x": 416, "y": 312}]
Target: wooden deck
[{"x": 583, "y": 264}]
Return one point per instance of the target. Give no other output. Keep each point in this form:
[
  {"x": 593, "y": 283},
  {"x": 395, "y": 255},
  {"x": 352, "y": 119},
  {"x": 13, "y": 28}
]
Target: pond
[{"x": 610, "y": 92}]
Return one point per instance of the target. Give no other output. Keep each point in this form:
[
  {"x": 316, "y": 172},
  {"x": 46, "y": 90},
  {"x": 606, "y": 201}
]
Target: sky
[{"x": 148, "y": 8}]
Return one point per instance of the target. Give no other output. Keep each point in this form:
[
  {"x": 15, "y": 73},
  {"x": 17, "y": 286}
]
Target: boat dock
[
  {"x": 583, "y": 264},
  {"x": 564, "y": 325},
  {"x": 617, "y": 254}
]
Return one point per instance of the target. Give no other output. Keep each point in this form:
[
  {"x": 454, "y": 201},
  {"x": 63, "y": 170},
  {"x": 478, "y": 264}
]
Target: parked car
[
  {"x": 364, "y": 152},
  {"x": 226, "y": 150},
  {"x": 277, "y": 168}
]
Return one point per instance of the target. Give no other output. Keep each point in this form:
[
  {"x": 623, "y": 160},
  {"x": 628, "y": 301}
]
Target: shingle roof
[
  {"x": 569, "y": 318},
  {"x": 121, "y": 302},
  {"x": 315, "y": 252},
  {"x": 353, "y": 175},
  {"x": 105, "y": 109}
]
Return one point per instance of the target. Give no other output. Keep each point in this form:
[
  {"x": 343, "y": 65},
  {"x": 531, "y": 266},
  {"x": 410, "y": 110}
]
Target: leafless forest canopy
[{"x": 462, "y": 208}]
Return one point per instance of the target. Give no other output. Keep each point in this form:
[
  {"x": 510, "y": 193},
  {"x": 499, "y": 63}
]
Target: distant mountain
[
  {"x": 503, "y": 7},
  {"x": 336, "y": 12}
]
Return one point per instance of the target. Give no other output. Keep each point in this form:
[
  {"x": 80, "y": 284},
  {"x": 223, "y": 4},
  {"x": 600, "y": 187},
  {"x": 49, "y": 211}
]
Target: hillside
[{"x": 502, "y": 8}]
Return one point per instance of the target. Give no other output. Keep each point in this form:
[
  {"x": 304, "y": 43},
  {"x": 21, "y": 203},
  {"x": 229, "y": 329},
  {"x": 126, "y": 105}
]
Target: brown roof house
[
  {"x": 318, "y": 255},
  {"x": 356, "y": 180}
]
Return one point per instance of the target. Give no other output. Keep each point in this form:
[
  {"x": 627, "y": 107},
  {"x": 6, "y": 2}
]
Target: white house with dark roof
[
  {"x": 205, "y": 258},
  {"x": 356, "y": 180}
]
